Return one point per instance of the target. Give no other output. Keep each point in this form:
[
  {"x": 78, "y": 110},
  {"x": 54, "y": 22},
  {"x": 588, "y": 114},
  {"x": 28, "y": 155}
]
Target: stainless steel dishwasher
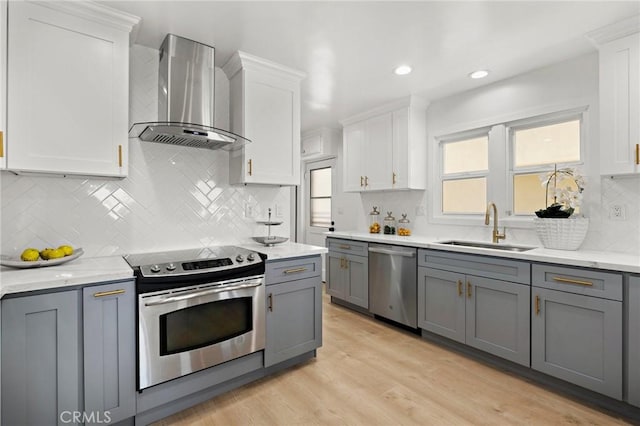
[{"x": 393, "y": 283}]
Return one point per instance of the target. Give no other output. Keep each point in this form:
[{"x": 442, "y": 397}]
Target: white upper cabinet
[
  {"x": 386, "y": 148},
  {"x": 3, "y": 82},
  {"x": 68, "y": 88},
  {"x": 619, "y": 49},
  {"x": 319, "y": 142},
  {"x": 265, "y": 108}
]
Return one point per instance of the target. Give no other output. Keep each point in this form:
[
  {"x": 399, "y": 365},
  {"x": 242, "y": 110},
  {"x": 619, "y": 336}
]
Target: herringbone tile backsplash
[{"x": 174, "y": 197}]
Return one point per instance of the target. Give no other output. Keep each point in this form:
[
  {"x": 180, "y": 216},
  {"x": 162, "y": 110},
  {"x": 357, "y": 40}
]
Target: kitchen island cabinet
[
  {"x": 576, "y": 327},
  {"x": 109, "y": 343},
  {"x": 68, "y": 73},
  {"x": 265, "y": 108},
  {"x": 633, "y": 339},
  {"x": 348, "y": 271},
  {"x": 294, "y": 308},
  {"x": 480, "y": 301},
  {"x": 41, "y": 358}
]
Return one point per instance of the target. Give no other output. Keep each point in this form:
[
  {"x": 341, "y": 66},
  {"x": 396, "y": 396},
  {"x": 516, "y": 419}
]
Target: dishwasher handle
[{"x": 392, "y": 252}]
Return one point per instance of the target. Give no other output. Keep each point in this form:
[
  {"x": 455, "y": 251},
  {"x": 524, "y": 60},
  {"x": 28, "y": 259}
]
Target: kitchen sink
[{"x": 503, "y": 247}]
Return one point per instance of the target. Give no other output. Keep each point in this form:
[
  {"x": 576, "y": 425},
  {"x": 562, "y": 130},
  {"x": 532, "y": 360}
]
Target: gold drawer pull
[
  {"x": 571, "y": 281},
  {"x": 537, "y": 305},
  {"x": 109, "y": 293},
  {"x": 294, "y": 270},
  {"x": 1, "y": 144},
  {"x": 344, "y": 247},
  {"x": 250, "y": 167},
  {"x": 119, "y": 155}
]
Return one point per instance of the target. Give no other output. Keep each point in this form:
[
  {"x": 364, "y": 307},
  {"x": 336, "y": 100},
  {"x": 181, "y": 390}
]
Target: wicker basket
[{"x": 562, "y": 234}]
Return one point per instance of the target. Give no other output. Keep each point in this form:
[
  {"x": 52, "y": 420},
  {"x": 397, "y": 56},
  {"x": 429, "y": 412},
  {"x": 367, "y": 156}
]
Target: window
[
  {"x": 465, "y": 165},
  {"x": 536, "y": 150},
  {"x": 320, "y": 197}
]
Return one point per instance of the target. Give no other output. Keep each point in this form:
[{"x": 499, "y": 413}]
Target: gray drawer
[
  {"x": 357, "y": 248},
  {"x": 607, "y": 285},
  {"x": 279, "y": 271},
  {"x": 483, "y": 266}
]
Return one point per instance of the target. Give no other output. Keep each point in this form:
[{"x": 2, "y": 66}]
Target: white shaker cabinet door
[{"x": 67, "y": 93}]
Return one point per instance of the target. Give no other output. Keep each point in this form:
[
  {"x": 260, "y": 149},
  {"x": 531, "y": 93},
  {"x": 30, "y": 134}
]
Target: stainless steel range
[{"x": 196, "y": 309}]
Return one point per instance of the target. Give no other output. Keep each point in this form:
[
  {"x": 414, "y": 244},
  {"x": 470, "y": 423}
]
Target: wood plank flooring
[{"x": 369, "y": 373}]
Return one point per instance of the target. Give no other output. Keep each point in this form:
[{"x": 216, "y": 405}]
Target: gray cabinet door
[
  {"x": 109, "y": 350},
  {"x": 441, "y": 303},
  {"x": 294, "y": 319},
  {"x": 497, "y": 318},
  {"x": 633, "y": 336},
  {"x": 336, "y": 275},
  {"x": 357, "y": 290},
  {"x": 41, "y": 359},
  {"x": 578, "y": 338}
]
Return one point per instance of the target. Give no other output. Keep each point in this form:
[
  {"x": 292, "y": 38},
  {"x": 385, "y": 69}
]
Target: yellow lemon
[
  {"x": 30, "y": 255},
  {"x": 45, "y": 254},
  {"x": 67, "y": 250},
  {"x": 56, "y": 254}
]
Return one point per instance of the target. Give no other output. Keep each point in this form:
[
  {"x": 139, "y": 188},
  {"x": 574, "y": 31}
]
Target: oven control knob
[
  {"x": 251, "y": 257},
  {"x": 155, "y": 268},
  {"x": 171, "y": 267},
  {"x": 239, "y": 258}
]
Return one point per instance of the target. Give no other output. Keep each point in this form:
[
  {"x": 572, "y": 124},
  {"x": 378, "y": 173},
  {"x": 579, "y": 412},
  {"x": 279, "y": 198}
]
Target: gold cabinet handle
[
  {"x": 119, "y": 155},
  {"x": 109, "y": 293},
  {"x": 638, "y": 153},
  {"x": 250, "y": 167},
  {"x": 394, "y": 178},
  {"x": 361, "y": 180},
  {"x": 571, "y": 281},
  {"x": 459, "y": 287},
  {"x": 366, "y": 181},
  {"x": 294, "y": 270},
  {"x": 344, "y": 247},
  {"x": 469, "y": 291},
  {"x": 1, "y": 143},
  {"x": 537, "y": 305},
  {"x": 270, "y": 302}
]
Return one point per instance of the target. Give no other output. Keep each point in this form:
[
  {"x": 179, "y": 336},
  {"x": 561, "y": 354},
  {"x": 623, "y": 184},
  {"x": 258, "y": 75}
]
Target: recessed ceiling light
[
  {"x": 479, "y": 74},
  {"x": 402, "y": 70}
]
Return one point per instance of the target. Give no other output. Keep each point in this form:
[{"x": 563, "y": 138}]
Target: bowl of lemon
[{"x": 34, "y": 258}]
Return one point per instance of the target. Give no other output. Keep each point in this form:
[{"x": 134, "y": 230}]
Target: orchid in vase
[{"x": 568, "y": 185}]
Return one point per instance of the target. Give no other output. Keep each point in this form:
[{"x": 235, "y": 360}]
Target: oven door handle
[{"x": 172, "y": 299}]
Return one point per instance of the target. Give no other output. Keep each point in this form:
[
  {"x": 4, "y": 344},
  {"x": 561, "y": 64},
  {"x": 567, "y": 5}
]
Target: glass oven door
[{"x": 185, "y": 330}]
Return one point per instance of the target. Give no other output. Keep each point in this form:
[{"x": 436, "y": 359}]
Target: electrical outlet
[
  {"x": 248, "y": 210},
  {"x": 617, "y": 212},
  {"x": 278, "y": 210}
]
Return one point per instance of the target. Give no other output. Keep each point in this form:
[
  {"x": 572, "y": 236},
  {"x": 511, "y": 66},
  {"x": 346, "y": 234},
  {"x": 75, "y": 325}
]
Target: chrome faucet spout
[{"x": 496, "y": 235}]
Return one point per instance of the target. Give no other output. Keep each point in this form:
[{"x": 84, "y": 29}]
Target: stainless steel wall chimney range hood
[{"x": 186, "y": 88}]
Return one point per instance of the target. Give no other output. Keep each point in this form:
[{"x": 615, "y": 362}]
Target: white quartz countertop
[
  {"x": 285, "y": 250},
  {"x": 80, "y": 271},
  {"x": 583, "y": 258}
]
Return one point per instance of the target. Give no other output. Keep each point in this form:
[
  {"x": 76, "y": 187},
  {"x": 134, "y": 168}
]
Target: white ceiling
[{"x": 349, "y": 49}]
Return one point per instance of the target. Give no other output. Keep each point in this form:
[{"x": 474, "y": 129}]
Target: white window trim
[{"x": 500, "y": 176}]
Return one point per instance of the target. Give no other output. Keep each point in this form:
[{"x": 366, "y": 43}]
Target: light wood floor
[{"x": 368, "y": 373}]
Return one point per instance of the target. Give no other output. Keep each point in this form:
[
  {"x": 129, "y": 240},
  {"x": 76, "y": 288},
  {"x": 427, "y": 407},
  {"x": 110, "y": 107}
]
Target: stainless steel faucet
[{"x": 496, "y": 235}]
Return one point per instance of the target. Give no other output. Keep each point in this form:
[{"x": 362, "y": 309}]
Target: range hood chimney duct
[{"x": 186, "y": 107}]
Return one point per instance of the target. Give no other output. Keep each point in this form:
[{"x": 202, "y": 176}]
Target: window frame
[
  {"x": 530, "y": 123},
  {"x": 442, "y": 176}
]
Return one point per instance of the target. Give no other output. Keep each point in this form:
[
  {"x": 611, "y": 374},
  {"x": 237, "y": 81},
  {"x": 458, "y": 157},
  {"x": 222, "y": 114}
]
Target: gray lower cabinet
[
  {"x": 488, "y": 314},
  {"x": 578, "y": 338},
  {"x": 294, "y": 309},
  {"x": 109, "y": 351},
  {"x": 633, "y": 336},
  {"x": 41, "y": 359},
  {"x": 348, "y": 278}
]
